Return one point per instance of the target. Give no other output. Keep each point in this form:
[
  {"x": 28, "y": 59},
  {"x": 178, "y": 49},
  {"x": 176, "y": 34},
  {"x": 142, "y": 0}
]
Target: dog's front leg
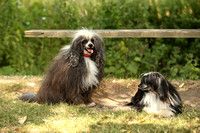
[
  {"x": 87, "y": 98},
  {"x": 77, "y": 100}
]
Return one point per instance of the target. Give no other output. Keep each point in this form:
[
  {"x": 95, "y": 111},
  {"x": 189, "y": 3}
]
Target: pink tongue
[{"x": 90, "y": 50}]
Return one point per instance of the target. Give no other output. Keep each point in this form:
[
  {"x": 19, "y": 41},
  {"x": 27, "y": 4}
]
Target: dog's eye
[
  {"x": 84, "y": 41},
  {"x": 92, "y": 40}
]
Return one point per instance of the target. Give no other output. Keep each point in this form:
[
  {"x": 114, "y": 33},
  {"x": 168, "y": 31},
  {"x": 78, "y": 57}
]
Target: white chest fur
[
  {"x": 155, "y": 106},
  {"x": 92, "y": 71}
]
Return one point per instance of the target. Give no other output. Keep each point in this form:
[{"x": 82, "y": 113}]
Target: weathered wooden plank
[{"x": 128, "y": 33}]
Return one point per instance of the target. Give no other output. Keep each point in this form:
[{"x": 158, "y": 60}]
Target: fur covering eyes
[
  {"x": 75, "y": 72},
  {"x": 157, "y": 96}
]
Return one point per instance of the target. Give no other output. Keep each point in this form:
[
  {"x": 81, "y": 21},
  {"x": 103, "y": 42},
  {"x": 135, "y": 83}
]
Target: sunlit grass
[{"x": 71, "y": 119}]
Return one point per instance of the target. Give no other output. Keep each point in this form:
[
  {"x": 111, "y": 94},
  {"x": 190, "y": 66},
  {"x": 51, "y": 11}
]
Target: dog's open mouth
[{"x": 89, "y": 50}]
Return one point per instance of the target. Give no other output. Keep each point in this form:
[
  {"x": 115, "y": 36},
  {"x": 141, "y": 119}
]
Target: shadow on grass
[
  {"x": 12, "y": 109},
  {"x": 105, "y": 127}
]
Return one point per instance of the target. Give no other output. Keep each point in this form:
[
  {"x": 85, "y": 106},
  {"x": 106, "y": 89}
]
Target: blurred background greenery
[{"x": 175, "y": 58}]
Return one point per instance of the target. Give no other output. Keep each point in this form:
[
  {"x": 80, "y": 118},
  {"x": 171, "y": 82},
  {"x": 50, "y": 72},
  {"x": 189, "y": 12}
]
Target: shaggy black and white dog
[
  {"x": 75, "y": 72},
  {"x": 157, "y": 96}
]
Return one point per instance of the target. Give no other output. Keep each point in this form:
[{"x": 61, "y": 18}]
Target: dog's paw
[
  {"x": 165, "y": 113},
  {"x": 92, "y": 104},
  {"x": 101, "y": 105},
  {"x": 82, "y": 105}
]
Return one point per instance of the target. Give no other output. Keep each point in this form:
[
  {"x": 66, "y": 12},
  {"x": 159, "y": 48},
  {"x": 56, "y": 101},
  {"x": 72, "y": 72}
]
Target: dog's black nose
[
  {"x": 90, "y": 45},
  {"x": 139, "y": 85}
]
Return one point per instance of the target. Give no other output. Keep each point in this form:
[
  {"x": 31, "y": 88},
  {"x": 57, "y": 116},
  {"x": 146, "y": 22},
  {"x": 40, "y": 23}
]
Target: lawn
[{"x": 19, "y": 116}]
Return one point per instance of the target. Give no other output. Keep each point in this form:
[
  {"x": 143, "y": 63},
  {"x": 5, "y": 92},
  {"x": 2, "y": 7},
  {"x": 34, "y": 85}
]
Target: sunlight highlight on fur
[{"x": 84, "y": 32}]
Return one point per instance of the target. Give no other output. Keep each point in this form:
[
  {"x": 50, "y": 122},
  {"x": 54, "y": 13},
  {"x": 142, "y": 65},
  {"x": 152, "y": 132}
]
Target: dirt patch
[
  {"x": 190, "y": 93},
  {"x": 113, "y": 93}
]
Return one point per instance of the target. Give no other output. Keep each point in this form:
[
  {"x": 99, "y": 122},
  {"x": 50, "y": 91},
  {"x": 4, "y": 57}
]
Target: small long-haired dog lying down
[
  {"x": 75, "y": 72},
  {"x": 157, "y": 96}
]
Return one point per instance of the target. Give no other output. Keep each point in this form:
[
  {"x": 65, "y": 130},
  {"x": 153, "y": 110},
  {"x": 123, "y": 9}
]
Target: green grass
[{"x": 65, "y": 118}]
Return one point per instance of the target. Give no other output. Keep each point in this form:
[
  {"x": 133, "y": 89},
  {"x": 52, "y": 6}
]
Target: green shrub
[{"x": 175, "y": 58}]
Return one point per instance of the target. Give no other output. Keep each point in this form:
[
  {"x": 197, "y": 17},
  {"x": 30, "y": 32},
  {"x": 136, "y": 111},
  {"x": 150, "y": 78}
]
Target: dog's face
[
  {"x": 144, "y": 84},
  {"x": 87, "y": 42},
  {"x": 88, "y": 46},
  {"x": 152, "y": 81}
]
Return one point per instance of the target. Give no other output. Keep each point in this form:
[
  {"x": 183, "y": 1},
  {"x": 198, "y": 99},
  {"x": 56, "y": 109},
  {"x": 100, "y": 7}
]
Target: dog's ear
[
  {"x": 99, "y": 55},
  {"x": 77, "y": 45},
  {"x": 74, "y": 52},
  {"x": 162, "y": 89},
  {"x": 99, "y": 59},
  {"x": 73, "y": 58}
]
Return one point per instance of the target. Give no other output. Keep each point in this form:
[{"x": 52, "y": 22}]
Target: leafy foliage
[{"x": 124, "y": 57}]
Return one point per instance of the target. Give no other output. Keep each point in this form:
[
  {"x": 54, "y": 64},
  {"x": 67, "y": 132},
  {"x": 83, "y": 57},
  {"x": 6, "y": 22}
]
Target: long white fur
[
  {"x": 92, "y": 72},
  {"x": 155, "y": 106},
  {"x": 67, "y": 47},
  {"x": 145, "y": 74},
  {"x": 84, "y": 32},
  {"x": 172, "y": 100}
]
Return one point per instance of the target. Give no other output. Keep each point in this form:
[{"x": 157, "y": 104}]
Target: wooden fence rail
[{"x": 123, "y": 33}]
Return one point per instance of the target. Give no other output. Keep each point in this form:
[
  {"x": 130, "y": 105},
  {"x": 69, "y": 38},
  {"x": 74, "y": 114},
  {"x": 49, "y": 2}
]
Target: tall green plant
[{"x": 124, "y": 57}]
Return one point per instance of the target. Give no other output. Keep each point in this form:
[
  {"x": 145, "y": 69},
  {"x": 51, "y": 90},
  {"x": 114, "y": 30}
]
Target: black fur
[
  {"x": 64, "y": 81},
  {"x": 158, "y": 85}
]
